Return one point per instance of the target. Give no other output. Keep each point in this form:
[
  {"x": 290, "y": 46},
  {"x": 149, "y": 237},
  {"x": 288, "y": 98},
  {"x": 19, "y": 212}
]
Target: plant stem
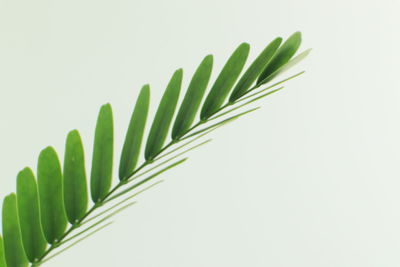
[{"x": 125, "y": 180}]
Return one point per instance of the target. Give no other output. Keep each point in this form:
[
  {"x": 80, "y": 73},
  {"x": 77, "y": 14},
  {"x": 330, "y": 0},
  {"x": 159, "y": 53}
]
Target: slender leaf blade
[
  {"x": 13, "y": 248},
  {"x": 225, "y": 81},
  {"x": 50, "y": 184},
  {"x": 281, "y": 57},
  {"x": 133, "y": 140},
  {"x": 32, "y": 235},
  {"x": 255, "y": 69},
  {"x": 75, "y": 185},
  {"x": 293, "y": 62},
  {"x": 2, "y": 255},
  {"x": 149, "y": 178},
  {"x": 164, "y": 116},
  {"x": 193, "y": 97},
  {"x": 102, "y": 163}
]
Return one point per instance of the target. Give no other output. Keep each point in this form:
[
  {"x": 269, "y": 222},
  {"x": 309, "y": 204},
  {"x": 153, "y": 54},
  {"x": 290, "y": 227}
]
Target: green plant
[{"x": 50, "y": 214}]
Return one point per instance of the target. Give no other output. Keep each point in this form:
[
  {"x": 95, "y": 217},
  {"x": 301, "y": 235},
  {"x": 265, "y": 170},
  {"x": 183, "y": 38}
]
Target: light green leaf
[
  {"x": 75, "y": 185},
  {"x": 77, "y": 242},
  {"x": 133, "y": 140},
  {"x": 50, "y": 183},
  {"x": 2, "y": 256},
  {"x": 255, "y": 69},
  {"x": 269, "y": 87},
  {"x": 170, "y": 159},
  {"x": 193, "y": 97},
  {"x": 13, "y": 249},
  {"x": 164, "y": 116},
  {"x": 225, "y": 81},
  {"x": 151, "y": 177},
  {"x": 293, "y": 62},
  {"x": 121, "y": 202},
  {"x": 281, "y": 57},
  {"x": 101, "y": 175},
  {"x": 219, "y": 124},
  {"x": 98, "y": 222},
  {"x": 29, "y": 215}
]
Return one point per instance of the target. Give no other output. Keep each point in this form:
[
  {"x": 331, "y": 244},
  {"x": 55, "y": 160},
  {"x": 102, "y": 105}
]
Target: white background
[{"x": 310, "y": 180}]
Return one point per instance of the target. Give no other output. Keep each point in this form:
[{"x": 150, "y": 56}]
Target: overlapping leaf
[
  {"x": 42, "y": 209},
  {"x": 102, "y": 163},
  {"x": 29, "y": 215},
  {"x": 53, "y": 218}
]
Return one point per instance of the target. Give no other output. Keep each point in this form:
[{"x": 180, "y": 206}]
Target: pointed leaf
[
  {"x": 2, "y": 255},
  {"x": 134, "y": 136},
  {"x": 255, "y": 69},
  {"x": 293, "y": 62},
  {"x": 193, "y": 97},
  {"x": 29, "y": 215},
  {"x": 164, "y": 115},
  {"x": 282, "y": 56},
  {"x": 101, "y": 175},
  {"x": 54, "y": 220},
  {"x": 225, "y": 81},
  {"x": 13, "y": 249},
  {"x": 269, "y": 87},
  {"x": 75, "y": 185}
]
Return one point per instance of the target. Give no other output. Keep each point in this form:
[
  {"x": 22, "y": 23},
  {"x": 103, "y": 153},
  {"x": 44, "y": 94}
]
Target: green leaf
[
  {"x": 2, "y": 255},
  {"x": 29, "y": 215},
  {"x": 252, "y": 73},
  {"x": 294, "y": 61},
  {"x": 13, "y": 249},
  {"x": 54, "y": 220},
  {"x": 220, "y": 123},
  {"x": 134, "y": 136},
  {"x": 281, "y": 57},
  {"x": 164, "y": 115},
  {"x": 101, "y": 175},
  {"x": 225, "y": 81},
  {"x": 75, "y": 185},
  {"x": 193, "y": 97},
  {"x": 269, "y": 87}
]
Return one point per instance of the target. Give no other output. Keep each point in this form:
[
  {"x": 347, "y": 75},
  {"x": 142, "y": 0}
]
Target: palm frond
[{"x": 50, "y": 212}]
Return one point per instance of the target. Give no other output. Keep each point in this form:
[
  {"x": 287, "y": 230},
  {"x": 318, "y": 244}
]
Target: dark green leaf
[
  {"x": 225, "y": 81},
  {"x": 13, "y": 249},
  {"x": 2, "y": 255},
  {"x": 29, "y": 215},
  {"x": 255, "y": 69},
  {"x": 101, "y": 175},
  {"x": 164, "y": 115},
  {"x": 54, "y": 220},
  {"x": 134, "y": 136},
  {"x": 193, "y": 97},
  {"x": 281, "y": 57},
  {"x": 75, "y": 185}
]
